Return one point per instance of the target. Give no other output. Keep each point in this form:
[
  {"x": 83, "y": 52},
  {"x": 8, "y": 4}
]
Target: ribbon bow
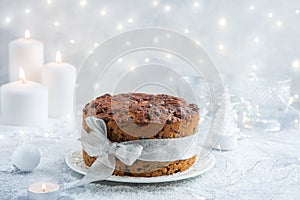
[{"x": 96, "y": 144}]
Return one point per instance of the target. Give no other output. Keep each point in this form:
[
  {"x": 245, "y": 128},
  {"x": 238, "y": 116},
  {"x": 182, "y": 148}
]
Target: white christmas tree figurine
[{"x": 226, "y": 139}]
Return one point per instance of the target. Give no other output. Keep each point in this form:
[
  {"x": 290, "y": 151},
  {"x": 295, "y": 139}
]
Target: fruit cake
[{"x": 139, "y": 116}]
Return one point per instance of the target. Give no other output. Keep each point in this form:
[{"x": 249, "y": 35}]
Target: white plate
[{"x": 203, "y": 163}]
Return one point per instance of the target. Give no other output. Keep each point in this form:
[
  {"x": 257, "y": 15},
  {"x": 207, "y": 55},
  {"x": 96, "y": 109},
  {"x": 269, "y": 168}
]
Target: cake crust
[
  {"x": 146, "y": 169},
  {"x": 137, "y": 116}
]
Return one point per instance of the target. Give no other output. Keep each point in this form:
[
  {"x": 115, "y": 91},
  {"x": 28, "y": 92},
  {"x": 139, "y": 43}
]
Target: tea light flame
[
  {"x": 22, "y": 75},
  {"x": 58, "y": 57},
  {"x": 27, "y": 34},
  {"x": 44, "y": 187}
]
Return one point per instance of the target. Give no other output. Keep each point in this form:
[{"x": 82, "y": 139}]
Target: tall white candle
[
  {"x": 59, "y": 77},
  {"x": 24, "y": 102},
  {"x": 28, "y": 53}
]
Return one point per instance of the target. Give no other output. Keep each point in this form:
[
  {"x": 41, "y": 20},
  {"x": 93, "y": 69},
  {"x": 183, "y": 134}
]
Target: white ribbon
[{"x": 96, "y": 144}]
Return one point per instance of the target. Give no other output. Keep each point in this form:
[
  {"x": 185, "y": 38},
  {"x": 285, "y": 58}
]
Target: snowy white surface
[{"x": 264, "y": 166}]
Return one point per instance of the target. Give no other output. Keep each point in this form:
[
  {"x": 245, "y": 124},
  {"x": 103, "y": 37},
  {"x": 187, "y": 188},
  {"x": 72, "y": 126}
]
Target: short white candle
[
  {"x": 28, "y": 53},
  {"x": 60, "y": 78},
  {"x": 226, "y": 142},
  {"x": 24, "y": 102},
  {"x": 43, "y": 191}
]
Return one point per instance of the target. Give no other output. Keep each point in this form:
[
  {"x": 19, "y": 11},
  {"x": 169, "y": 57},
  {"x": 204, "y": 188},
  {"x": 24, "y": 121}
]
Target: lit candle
[
  {"x": 28, "y": 53},
  {"x": 59, "y": 77},
  {"x": 45, "y": 191},
  {"x": 24, "y": 102}
]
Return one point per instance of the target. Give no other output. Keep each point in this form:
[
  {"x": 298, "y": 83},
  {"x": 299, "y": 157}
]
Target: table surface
[{"x": 264, "y": 166}]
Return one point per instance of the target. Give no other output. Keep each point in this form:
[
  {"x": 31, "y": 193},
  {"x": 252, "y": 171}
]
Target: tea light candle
[
  {"x": 43, "y": 191},
  {"x": 60, "y": 78},
  {"x": 28, "y": 53},
  {"x": 24, "y": 102}
]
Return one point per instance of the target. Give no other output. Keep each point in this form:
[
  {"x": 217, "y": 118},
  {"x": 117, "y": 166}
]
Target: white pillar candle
[
  {"x": 60, "y": 78},
  {"x": 226, "y": 142},
  {"x": 29, "y": 54},
  {"x": 24, "y": 102}
]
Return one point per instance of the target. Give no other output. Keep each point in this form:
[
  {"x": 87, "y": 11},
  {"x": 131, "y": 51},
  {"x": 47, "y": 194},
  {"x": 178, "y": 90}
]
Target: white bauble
[{"x": 26, "y": 157}]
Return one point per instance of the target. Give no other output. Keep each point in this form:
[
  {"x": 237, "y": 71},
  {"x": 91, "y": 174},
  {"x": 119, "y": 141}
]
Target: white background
[{"x": 240, "y": 36}]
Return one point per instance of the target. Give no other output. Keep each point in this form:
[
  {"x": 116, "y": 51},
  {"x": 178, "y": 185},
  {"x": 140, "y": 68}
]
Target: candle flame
[
  {"x": 27, "y": 34},
  {"x": 22, "y": 75},
  {"x": 44, "y": 187},
  {"x": 58, "y": 57}
]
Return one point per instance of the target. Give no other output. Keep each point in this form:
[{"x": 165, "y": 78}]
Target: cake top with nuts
[{"x": 141, "y": 108}]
